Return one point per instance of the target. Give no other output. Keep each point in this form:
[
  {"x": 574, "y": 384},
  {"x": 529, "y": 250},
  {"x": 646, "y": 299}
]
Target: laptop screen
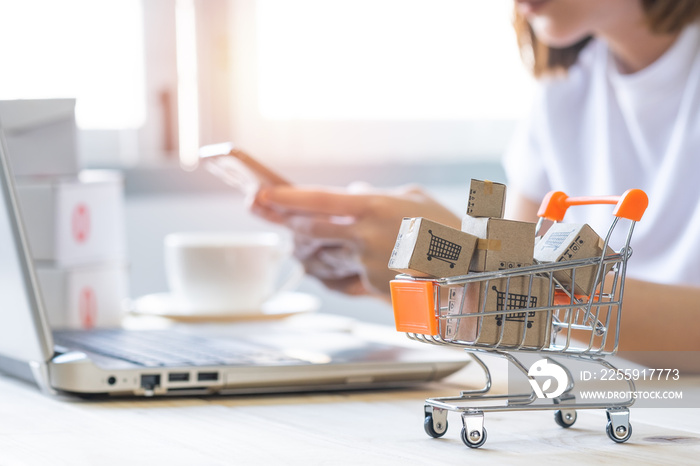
[{"x": 24, "y": 334}]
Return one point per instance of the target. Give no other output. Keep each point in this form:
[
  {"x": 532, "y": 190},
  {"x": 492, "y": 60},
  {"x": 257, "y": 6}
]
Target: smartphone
[{"x": 237, "y": 168}]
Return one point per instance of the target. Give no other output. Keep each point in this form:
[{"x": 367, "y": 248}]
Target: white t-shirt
[{"x": 597, "y": 132}]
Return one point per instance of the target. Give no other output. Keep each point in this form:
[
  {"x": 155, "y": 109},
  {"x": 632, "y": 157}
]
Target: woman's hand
[{"x": 359, "y": 223}]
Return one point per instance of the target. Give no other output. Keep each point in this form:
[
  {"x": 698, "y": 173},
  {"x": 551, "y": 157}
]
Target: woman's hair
[{"x": 662, "y": 16}]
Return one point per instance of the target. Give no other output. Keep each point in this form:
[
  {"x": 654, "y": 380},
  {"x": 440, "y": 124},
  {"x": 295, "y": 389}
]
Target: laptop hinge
[{"x": 40, "y": 371}]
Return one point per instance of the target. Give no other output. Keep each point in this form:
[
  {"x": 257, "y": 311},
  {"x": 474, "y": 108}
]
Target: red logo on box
[
  {"x": 81, "y": 223},
  {"x": 87, "y": 307}
]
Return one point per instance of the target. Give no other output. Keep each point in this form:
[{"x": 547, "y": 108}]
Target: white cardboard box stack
[{"x": 74, "y": 219}]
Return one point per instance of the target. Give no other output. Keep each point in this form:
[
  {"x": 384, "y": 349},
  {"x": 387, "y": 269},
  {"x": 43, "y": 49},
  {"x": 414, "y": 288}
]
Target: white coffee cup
[{"x": 222, "y": 273}]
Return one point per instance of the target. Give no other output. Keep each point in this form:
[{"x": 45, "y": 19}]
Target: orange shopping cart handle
[{"x": 630, "y": 205}]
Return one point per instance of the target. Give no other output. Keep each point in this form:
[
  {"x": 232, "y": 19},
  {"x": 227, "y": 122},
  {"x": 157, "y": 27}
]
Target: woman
[{"x": 618, "y": 107}]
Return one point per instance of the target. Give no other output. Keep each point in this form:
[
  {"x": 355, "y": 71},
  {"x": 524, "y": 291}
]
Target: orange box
[{"x": 414, "y": 306}]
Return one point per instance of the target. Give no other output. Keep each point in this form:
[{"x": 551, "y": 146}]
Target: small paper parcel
[
  {"x": 429, "y": 249},
  {"x": 568, "y": 241}
]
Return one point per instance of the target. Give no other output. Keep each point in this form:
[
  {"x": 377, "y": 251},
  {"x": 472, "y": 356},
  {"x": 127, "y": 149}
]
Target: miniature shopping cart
[
  {"x": 526, "y": 313},
  {"x": 443, "y": 250}
]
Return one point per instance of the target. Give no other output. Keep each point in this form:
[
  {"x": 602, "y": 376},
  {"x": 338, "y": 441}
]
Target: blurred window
[
  {"x": 91, "y": 50},
  {"x": 375, "y": 80},
  {"x": 295, "y": 80}
]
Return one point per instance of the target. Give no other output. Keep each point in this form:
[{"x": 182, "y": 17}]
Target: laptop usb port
[
  {"x": 207, "y": 376},
  {"x": 178, "y": 377}
]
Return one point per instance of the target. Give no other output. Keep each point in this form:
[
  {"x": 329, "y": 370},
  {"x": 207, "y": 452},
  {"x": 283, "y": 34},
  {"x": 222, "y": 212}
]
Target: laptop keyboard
[{"x": 158, "y": 348}]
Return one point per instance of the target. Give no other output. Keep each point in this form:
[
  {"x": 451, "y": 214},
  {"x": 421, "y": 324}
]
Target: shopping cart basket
[{"x": 528, "y": 312}]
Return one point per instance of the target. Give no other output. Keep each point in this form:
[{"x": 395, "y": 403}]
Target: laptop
[{"x": 263, "y": 357}]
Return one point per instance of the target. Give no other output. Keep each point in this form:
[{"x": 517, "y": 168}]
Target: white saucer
[{"x": 166, "y": 305}]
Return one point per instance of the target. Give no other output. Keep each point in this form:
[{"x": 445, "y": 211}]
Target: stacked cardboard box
[
  {"x": 487, "y": 242},
  {"x": 530, "y": 329},
  {"x": 503, "y": 244},
  {"x": 486, "y": 199},
  {"x": 41, "y": 136},
  {"x": 499, "y": 245},
  {"x": 568, "y": 241},
  {"x": 74, "y": 219},
  {"x": 429, "y": 249}
]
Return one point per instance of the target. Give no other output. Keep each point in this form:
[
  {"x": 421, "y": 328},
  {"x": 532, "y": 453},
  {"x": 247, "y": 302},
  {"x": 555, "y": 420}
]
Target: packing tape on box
[
  {"x": 488, "y": 244},
  {"x": 601, "y": 243},
  {"x": 488, "y": 187}
]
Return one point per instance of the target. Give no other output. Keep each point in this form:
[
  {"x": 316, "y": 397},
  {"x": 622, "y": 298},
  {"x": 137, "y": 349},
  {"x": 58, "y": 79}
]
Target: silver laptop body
[{"x": 201, "y": 359}]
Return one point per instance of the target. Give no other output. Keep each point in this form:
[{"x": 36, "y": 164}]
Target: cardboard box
[
  {"x": 83, "y": 297},
  {"x": 486, "y": 199},
  {"x": 503, "y": 244},
  {"x": 488, "y": 296},
  {"x": 73, "y": 221},
  {"x": 569, "y": 241},
  {"x": 41, "y": 136},
  {"x": 428, "y": 249}
]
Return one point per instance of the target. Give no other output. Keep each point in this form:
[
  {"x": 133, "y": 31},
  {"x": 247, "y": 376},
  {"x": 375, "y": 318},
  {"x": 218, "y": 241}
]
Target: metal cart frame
[{"x": 432, "y": 311}]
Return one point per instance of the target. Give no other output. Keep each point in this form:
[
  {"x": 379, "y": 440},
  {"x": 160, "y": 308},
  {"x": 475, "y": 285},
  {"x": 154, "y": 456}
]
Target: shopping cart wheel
[
  {"x": 619, "y": 435},
  {"x": 435, "y": 431},
  {"x": 565, "y": 418},
  {"x": 474, "y": 439}
]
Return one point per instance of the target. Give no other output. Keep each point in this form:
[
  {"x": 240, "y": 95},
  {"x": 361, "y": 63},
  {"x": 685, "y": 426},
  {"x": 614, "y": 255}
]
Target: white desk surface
[{"x": 378, "y": 427}]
